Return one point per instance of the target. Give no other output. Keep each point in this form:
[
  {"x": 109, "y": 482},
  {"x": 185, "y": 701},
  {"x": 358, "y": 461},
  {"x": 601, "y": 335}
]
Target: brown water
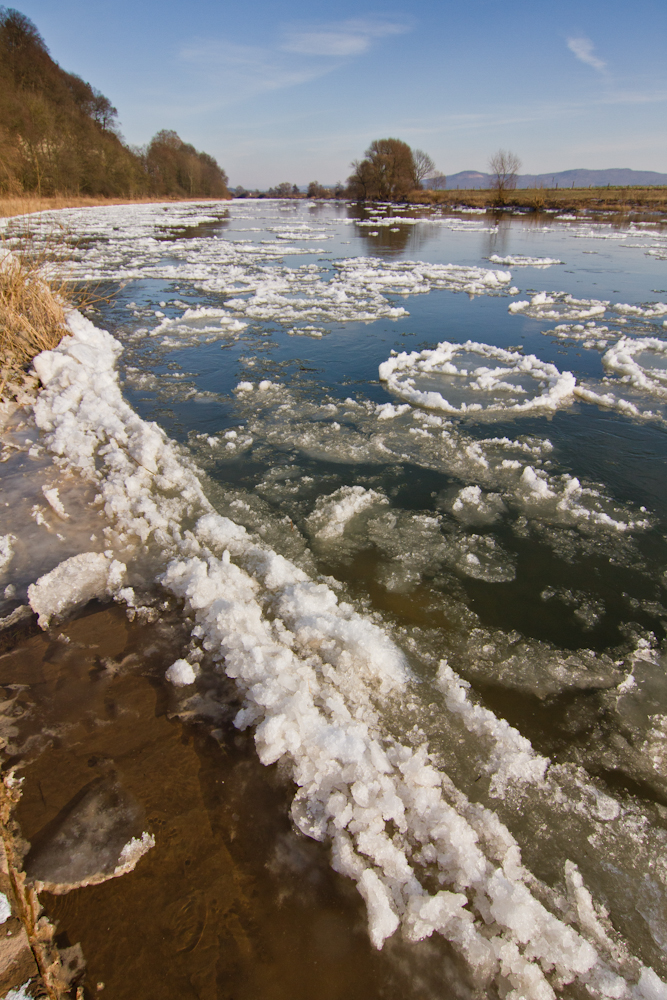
[{"x": 231, "y": 902}]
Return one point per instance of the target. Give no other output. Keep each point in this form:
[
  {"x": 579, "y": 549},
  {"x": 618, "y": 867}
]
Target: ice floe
[
  {"x": 450, "y": 379},
  {"x": 640, "y": 362},
  {"x": 521, "y": 260},
  {"x": 559, "y": 306}
]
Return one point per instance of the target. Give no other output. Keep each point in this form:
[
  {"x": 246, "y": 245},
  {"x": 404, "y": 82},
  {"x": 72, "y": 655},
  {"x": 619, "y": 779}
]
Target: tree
[
  {"x": 505, "y": 166},
  {"x": 424, "y": 165},
  {"x": 176, "y": 167},
  {"x": 284, "y": 190},
  {"x": 388, "y": 172},
  {"x": 316, "y": 190},
  {"x": 103, "y": 111},
  {"x": 437, "y": 181},
  {"x": 58, "y": 134}
]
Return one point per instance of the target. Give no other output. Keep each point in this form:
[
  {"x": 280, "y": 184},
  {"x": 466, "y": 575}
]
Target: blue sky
[{"x": 294, "y": 91}]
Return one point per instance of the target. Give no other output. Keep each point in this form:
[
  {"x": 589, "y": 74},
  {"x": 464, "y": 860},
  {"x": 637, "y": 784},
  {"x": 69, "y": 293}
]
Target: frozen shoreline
[
  {"x": 423, "y": 792},
  {"x": 317, "y": 678}
]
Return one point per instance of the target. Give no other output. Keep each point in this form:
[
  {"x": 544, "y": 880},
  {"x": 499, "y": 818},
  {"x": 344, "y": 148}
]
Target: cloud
[
  {"x": 239, "y": 71},
  {"x": 344, "y": 38},
  {"x": 583, "y": 50}
]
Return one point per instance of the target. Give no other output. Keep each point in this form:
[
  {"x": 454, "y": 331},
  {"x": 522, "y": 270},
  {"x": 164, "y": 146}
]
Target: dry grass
[
  {"x": 32, "y": 316},
  {"x": 55, "y": 977},
  {"x": 11, "y": 206}
]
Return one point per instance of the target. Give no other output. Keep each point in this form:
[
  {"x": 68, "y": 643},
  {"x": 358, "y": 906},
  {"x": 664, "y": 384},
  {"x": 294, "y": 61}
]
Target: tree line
[
  {"x": 59, "y": 135},
  {"x": 390, "y": 171}
]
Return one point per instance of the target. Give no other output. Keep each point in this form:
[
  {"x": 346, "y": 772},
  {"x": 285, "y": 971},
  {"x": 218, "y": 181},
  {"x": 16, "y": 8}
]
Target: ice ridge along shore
[{"x": 316, "y": 677}]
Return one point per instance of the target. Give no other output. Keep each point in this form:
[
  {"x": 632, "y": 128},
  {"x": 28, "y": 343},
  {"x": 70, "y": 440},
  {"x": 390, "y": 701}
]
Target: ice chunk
[
  {"x": 181, "y": 673},
  {"x": 451, "y": 378},
  {"x": 382, "y": 917},
  {"x": 74, "y": 582},
  {"x": 521, "y": 260},
  {"x": 332, "y": 513},
  {"x": 6, "y": 551},
  {"x": 640, "y": 362}
]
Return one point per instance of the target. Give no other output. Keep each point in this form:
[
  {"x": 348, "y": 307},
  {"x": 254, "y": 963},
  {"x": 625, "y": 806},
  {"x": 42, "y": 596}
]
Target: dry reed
[
  {"x": 32, "y": 315},
  {"x": 15, "y": 205}
]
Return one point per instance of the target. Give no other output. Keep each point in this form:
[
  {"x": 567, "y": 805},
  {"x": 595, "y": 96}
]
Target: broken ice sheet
[{"x": 97, "y": 836}]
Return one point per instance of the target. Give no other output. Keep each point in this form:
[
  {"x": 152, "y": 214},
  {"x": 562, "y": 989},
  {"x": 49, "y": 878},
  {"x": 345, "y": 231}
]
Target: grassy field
[{"x": 612, "y": 199}]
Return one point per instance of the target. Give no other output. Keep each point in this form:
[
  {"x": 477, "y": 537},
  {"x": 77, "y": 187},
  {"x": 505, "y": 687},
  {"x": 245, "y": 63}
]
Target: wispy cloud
[
  {"x": 344, "y": 38},
  {"x": 298, "y": 56},
  {"x": 583, "y": 50},
  {"x": 239, "y": 71}
]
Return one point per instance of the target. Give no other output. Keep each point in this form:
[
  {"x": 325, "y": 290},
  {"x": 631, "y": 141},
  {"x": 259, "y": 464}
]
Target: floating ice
[
  {"x": 640, "y": 362},
  {"x": 589, "y": 334},
  {"x": 332, "y": 513},
  {"x": 123, "y": 244},
  {"x": 321, "y": 682},
  {"x": 55, "y": 502},
  {"x": 308, "y": 666},
  {"x": 560, "y": 306},
  {"x": 133, "y": 852},
  {"x": 521, "y": 260},
  {"x": 654, "y": 309},
  {"x": 472, "y": 506},
  {"x": 202, "y": 325},
  {"x": 449, "y": 378},
  {"x": 356, "y": 290},
  {"x": 92, "y": 840},
  {"x": 563, "y": 306}
]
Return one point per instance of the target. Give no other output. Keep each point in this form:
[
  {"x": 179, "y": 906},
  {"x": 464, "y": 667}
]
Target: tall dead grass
[
  {"x": 15, "y": 205},
  {"x": 32, "y": 315}
]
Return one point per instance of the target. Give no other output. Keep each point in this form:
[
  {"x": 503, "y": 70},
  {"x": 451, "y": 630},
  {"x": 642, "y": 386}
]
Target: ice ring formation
[{"x": 450, "y": 378}]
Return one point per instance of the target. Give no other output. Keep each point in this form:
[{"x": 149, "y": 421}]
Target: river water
[{"x": 403, "y": 472}]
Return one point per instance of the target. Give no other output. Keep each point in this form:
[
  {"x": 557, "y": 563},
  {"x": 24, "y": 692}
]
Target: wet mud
[{"x": 231, "y": 902}]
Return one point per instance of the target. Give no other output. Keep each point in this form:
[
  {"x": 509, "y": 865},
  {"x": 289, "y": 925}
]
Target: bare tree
[
  {"x": 505, "y": 166},
  {"x": 424, "y": 165},
  {"x": 437, "y": 181}
]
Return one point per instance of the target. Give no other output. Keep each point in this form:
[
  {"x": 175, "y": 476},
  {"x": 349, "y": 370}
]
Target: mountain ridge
[{"x": 582, "y": 178}]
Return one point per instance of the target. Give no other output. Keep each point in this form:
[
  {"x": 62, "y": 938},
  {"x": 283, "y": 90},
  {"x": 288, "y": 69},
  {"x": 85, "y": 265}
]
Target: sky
[{"x": 294, "y": 91}]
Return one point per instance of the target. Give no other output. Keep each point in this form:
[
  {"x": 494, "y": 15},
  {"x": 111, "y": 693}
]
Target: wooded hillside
[{"x": 59, "y": 135}]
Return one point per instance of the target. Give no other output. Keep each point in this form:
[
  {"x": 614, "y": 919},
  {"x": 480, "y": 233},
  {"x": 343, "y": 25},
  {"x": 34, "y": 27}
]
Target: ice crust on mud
[{"x": 318, "y": 679}]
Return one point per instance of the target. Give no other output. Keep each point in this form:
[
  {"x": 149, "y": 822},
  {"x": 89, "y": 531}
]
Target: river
[{"x": 384, "y": 488}]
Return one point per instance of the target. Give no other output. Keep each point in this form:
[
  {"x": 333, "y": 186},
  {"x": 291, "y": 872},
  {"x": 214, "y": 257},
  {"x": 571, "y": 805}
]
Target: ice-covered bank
[{"x": 322, "y": 684}]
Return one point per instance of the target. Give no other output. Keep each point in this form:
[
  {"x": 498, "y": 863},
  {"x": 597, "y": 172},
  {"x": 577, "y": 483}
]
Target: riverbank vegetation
[
  {"x": 389, "y": 171},
  {"x": 15, "y": 205},
  {"x": 60, "y": 136},
  {"x": 611, "y": 199},
  {"x": 32, "y": 317}
]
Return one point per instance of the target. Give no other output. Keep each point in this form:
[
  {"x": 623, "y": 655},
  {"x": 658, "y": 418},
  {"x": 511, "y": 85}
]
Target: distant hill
[{"x": 468, "y": 179}]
